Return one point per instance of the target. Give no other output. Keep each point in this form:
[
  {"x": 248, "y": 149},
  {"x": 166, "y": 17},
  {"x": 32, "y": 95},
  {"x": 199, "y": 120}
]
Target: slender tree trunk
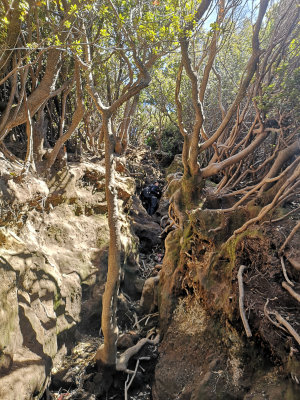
[{"x": 107, "y": 353}]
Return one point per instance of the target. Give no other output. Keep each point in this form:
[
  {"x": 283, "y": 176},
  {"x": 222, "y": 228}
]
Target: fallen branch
[
  {"x": 291, "y": 291},
  {"x": 241, "y": 301},
  {"x": 291, "y": 330},
  {"x": 284, "y": 272},
  {"x": 292, "y": 233},
  {"x": 123, "y": 360}
]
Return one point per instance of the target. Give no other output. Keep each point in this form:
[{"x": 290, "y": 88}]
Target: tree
[
  {"x": 231, "y": 145},
  {"x": 135, "y": 39}
]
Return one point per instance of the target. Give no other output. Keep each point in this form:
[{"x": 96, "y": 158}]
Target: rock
[
  {"x": 59, "y": 246},
  {"x": 6, "y": 361},
  {"x": 63, "y": 379},
  {"x": 176, "y": 165},
  {"x": 127, "y": 340},
  {"x": 144, "y": 227},
  {"x": 149, "y": 299}
]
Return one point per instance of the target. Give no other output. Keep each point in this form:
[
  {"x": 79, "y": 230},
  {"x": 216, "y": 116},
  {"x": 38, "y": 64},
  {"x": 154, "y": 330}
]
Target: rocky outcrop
[{"x": 54, "y": 240}]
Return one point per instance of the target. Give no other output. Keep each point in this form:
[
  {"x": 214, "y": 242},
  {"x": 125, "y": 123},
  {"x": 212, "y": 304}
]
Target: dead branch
[
  {"x": 291, "y": 330},
  {"x": 291, "y": 291},
  {"x": 284, "y": 272},
  {"x": 292, "y": 233},
  {"x": 241, "y": 301},
  {"x": 123, "y": 360}
]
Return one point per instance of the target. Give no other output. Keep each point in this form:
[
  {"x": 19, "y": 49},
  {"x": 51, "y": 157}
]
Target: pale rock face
[{"x": 61, "y": 244}]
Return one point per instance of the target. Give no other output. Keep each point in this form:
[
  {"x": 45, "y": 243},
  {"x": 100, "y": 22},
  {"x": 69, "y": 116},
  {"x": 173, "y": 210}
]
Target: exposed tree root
[
  {"x": 241, "y": 301},
  {"x": 267, "y": 314},
  {"x": 281, "y": 218},
  {"x": 282, "y": 322},
  {"x": 123, "y": 360},
  {"x": 284, "y": 272},
  {"x": 291, "y": 330},
  {"x": 291, "y": 291},
  {"x": 292, "y": 233},
  {"x": 294, "y": 263}
]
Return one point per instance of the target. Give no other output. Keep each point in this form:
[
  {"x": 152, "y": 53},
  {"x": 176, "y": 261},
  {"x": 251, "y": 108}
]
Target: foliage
[{"x": 171, "y": 140}]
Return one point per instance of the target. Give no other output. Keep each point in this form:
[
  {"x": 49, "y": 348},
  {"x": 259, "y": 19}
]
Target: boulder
[{"x": 144, "y": 226}]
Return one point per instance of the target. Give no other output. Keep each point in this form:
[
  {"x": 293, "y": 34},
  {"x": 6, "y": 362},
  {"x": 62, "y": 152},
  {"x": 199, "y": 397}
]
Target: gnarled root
[{"x": 122, "y": 361}]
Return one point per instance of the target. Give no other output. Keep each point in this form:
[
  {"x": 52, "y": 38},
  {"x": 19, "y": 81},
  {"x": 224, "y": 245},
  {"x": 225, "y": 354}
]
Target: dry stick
[
  {"x": 291, "y": 330},
  {"x": 136, "y": 323},
  {"x": 292, "y": 233},
  {"x": 291, "y": 291},
  {"x": 128, "y": 384},
  {"x": 241, "y": 301},
  {"x": 284, "y": 272}
]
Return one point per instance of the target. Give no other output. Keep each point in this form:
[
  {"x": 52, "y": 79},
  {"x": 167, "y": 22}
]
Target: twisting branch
[{"x": 241, "y": 301}]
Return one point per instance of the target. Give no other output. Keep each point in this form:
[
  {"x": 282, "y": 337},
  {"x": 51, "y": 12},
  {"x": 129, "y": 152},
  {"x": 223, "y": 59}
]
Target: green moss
[
  {"x": 229, "y": 248},
  {"x": 186, "y": 237}
]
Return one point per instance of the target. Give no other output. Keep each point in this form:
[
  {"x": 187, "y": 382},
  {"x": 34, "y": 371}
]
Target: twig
[
  {"x": 128, "y": 384},
  {"x": 291, "y": 291},
  {"x": 145, "y": 317},
  {"x": 241, "y": 301},
  {"x": 284, "y": 272},
  {"x": 291, "y": 330},
  {"x": 292, "y": 233},
  {"x": 136, "y": 323}
]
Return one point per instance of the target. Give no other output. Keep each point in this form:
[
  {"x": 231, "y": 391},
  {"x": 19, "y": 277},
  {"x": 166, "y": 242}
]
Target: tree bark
[{"x": 107, "y": 353}]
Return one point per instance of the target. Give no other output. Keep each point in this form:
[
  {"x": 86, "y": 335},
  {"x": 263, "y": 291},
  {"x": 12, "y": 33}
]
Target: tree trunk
[{"x": 107, "y": 353}]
